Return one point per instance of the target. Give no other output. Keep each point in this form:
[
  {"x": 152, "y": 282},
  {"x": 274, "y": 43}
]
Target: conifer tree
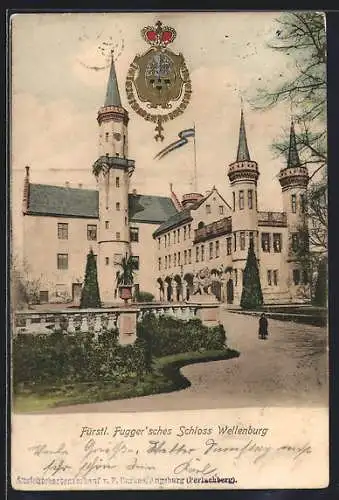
[
  {"x": 251, "y": 296},
  {"x": 320, "y": 293},
  {"x": 90, "y": 296}
]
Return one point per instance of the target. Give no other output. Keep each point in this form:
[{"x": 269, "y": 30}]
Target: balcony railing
[
  {"x": 276, "y": 219},
  {"x": 213, "y": 230}
]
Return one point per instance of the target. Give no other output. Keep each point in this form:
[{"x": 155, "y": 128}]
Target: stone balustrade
[{"x": 124, "y": 319}]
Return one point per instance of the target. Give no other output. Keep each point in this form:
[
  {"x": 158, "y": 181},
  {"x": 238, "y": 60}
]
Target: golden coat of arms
[{"x": 158, "y": 79}]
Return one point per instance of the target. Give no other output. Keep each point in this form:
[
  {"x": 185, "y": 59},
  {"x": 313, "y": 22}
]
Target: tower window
[
  {"x": 178, "y": 258},
  {"x": 265, "y": 242},
  {"x": 117, "y": 206},
  {"x": 294, "y": 203},
  {"x": 296, "y": 276},
  {"x": 91, "y": 232},
  {"x": 197, "y": 254},
  {"x": 166, "y": 262},
  {"x": 217, "y": 249},
  {"x": 62, "y": 231},
  {"x": 242, "y": 240},
  {"x": 208, "y": 209},
  {"x": 221, "y": 209},
  {"x": 202, "y": 253},
  {"x": 159, "y": 264},
  {"x": 62, "y": 260},
  {"x": 175, "y": 260},
  {"x": 211, "y": 250},
  {"x": 241, "y": 200},
  {"x": 117, "y": 236},
  {"x": 106, "y": 224},
  {"x": 250, "y": 198},
  {"x": 229, "y": 246},
  {"x": 302, "y": 203},
  {"x": 295, "y": 242},
  {"x": 159, "y": 243},
  {"x": 190, "y": 256},
  {"x": 117, "y": 182},
  {"x": 134, "y": 234},
  {"x": 277, "y": 242},
  {"x": 106, "y": 261},
  {"x": 269, "y": 278},
  {"x": 233, "y": 201},
  {"x": 185, "y": 257},
  {"x": 275, "y": 278},
  {"x": 106, "y": 136}
]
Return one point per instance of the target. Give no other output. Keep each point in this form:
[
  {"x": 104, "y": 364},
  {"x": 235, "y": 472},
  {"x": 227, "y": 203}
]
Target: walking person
[{"x": 263, "y": 327}]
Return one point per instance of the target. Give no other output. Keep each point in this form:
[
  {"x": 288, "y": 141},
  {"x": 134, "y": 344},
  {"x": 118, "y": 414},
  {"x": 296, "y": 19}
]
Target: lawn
[{"x": 165, "y": 377}]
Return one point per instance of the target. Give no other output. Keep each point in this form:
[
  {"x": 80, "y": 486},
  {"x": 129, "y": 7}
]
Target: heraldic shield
[{"x": 159, "y": 79}]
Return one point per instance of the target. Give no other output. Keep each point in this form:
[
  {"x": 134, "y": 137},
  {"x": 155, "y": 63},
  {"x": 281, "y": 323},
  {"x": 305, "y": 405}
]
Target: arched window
[{"x": 201, "y": 225}]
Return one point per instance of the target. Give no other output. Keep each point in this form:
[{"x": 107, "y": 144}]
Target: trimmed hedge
[
  {"x": 144, "y": 296},
  {"x": 165, "y": 335}
]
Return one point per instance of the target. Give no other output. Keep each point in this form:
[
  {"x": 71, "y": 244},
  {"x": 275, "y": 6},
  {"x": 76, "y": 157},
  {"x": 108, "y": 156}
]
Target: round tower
[
  {"x": 113, "y": 170},
  {"x": 294, "y": 180},
  {"x": 243, "y": 175}
]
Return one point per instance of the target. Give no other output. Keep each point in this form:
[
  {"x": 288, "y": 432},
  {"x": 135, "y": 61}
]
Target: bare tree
[{"x": 24, "y": 289}]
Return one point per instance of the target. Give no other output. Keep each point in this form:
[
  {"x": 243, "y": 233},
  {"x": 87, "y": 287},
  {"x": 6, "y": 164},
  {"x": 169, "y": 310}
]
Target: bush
[
  {"x": 90, "y": 296},
  {"x": 144, "y": 297},
  {"x": 166, "y": 335},
  {"x": 62, "y": 358}
]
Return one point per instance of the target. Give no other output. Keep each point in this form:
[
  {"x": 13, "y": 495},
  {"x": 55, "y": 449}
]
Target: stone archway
[
  {"x": 169, "y": 291},
  {"x": 161, "y": 289},
  {"x": 189, "y": 288},
  {"x": 178, "y": 287},
  {"x": 230, "y": 291}
]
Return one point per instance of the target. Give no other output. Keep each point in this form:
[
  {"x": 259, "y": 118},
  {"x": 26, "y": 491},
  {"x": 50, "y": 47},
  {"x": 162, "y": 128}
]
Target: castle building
[{"x": 178, "y": 247}]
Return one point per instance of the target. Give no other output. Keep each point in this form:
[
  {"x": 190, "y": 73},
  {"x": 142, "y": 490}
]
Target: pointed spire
[
  {"x": 243, "y": 153},
  {"x": 112, "y": 94},
  {"x": 293, "y": 156}
]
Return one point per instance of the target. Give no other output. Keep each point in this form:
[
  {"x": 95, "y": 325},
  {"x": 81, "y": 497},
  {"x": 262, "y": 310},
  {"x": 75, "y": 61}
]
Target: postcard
[{"x": 169, "y": 251}]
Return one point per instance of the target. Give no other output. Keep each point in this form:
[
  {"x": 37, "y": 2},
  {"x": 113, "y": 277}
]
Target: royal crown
[{"x": 158, "y": 35}]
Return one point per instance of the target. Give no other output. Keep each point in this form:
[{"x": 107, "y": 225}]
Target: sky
[{"x": 56, "y": 96}]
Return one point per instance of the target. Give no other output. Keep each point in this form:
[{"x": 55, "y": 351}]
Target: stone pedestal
[
  {"x": 127, "y": 325},
  {"x": 209, "y": 314}
]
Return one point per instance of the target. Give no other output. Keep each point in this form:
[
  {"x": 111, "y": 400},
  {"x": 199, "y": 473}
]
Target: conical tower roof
[
  {"x": 293, "y": 156},
  {"x": 243, "y": 153},
  {"x": 112, "y": 93}
]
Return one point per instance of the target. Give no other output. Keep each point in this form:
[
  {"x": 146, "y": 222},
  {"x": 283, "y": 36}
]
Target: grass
[{"x": 165, "y": 377}]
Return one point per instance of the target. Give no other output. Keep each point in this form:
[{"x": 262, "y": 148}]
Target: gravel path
[{"x": 287, "y": 369}]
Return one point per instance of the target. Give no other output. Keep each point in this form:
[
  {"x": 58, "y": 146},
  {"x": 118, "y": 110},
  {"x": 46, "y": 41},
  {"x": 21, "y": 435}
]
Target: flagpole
[{"x": 195, "y": 185}]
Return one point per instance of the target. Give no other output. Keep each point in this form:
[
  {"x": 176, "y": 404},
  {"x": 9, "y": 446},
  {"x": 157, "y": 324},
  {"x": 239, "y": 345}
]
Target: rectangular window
[
  {"x": 202, "y": 253},
  {"x": 179, "y": 259},
  {"x": 242, "y": 240},
  {"x": 62, "y": 231},
  {"x": 185, "y": 256},
  {"x": 175, "y": 260},
  {"x": 295, "y": 242},
  {"x": 158, "y": 243},
  {"x": 174, "y": 236},
  {"x": 106, "y": 224},
  {"x": 135, "y": 262},
  {"x": 62, "y": 260},
  {"x": 107, "y": 261},
  {"x": 106, "y": 136},
  {"x": 277, "y": 242},
  {"x": 302, "y": 203},
  {"x": 117, "y": 236},
  {"x": 305, "y": 277},
  {"x": 196, "y": 254},
  {"x": 190, "y": 256},
  {"x": 189, "y": 231},
  {"x": 91, "y": 232},
  {"x": 166, "y": 262},
  {"x": 275, "y": 278},
  {"x": 169, "y": 239},
  {"x": 185, "y": 233},
  {"x": 117, "y": 182},
  {"x": 233, "y": 201},
  {"x": 211, "y": 250},
  {"x": 269, "y": 278},
  {"x": 229, "y": 246},
  {"x": 221, "y": 209},
  {"x": 165, "y": 240},
  {"x": 294, "y": 203},
  {"x": 169, "y": 262},
  {"x": 265, "y": 242},
  {"x": 159, "y": 264},
  {"x": 241, "y": 200},
  {"x": 125, "y": 221},
  {"x": 117, "y": 206},
  {"x": 208, "y": 209},
  {"x": 134, "y": 233},
  {"x": 217, "y": 249},
  {"x": 296, "y": 276},
  {"x": 235, "y": 241},
  {"x": 178, "y": 239},
  {"x": 250, "y": 198}
]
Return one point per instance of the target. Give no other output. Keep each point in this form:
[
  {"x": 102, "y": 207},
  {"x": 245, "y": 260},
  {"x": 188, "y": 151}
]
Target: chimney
[{"x": 25, "y": 200}]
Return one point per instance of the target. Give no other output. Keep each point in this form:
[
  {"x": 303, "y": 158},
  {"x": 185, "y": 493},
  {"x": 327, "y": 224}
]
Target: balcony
[
  {"x": 272, "y": 219},
  {"x": 213, "y": 230}
]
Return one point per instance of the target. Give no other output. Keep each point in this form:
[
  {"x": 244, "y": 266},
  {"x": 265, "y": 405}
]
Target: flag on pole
[{"x": 183, "y": 135}]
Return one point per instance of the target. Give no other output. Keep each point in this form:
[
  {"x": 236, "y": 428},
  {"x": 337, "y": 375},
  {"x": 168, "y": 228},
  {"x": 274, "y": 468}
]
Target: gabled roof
[{"x": 73, "y": 202}]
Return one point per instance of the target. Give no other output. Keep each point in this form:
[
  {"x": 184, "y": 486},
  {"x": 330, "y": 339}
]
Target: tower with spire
[
  {"x": 293, "y": 181},
  {"x": 113, "y": 170},
  {"x": 243, "y": 175}
]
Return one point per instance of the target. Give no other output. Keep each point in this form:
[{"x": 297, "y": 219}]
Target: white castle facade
[{"x": 179, "y": 248}]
